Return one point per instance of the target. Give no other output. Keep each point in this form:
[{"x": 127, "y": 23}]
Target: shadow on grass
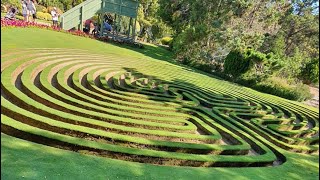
[
  {"x": 161, "y": 53},
  {"x": 27, "y": 160},
  {"x": 150, "y": 50}
]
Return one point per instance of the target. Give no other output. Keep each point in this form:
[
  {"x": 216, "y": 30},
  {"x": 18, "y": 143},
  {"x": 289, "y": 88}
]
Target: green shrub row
[
  {"x": 87, "y": 83},
  {"x": 27, "y": 72}
]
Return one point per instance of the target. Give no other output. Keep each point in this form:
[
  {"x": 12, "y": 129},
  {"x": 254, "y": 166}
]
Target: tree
[
  {"x": 151, "y": 25},
  {"x": 204, "y": 27},
  {"x": 297, "y": 40}
]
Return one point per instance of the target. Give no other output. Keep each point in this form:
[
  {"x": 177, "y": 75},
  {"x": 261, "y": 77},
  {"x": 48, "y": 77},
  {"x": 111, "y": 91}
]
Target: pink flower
[{"x": 22, "y": 24}]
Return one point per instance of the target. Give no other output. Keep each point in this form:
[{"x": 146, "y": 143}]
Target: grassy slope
[{"x": 25, "y": 159}]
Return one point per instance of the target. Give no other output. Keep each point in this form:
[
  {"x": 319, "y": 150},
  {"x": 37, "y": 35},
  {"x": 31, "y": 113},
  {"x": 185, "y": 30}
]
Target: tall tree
[{"x": 208, "y": 29}]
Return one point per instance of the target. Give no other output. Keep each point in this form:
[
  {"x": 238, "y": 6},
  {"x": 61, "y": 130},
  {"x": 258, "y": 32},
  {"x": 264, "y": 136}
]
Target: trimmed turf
[
  {"x": 61, "y": 164},
  {"x": 34, "y": 161}
]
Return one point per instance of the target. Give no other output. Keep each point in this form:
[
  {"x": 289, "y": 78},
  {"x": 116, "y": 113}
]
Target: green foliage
[
  {"x": 44, "y": 16},
  {"x": 64, "y": 5},
  {"x": 292, "y": 66},
  {"x": 281, "y": 88},
  {"x": 14, "y": 3},
  {"x": 250, "y": 64},
  {"x": 50, "y": 8},
  {"x": 227, "y": 25},
  {"x": 254, "y": 69},
  {"x": 310, "y": 72},
  {"x": 166, "y": 40},
  {"x": 159, "y": 29},
  {"x": 289, "y": 30},
  {"x": 236, "y": 64},
  {"x": 297, "y": 40},
  {"x": 41, "y": 8}
]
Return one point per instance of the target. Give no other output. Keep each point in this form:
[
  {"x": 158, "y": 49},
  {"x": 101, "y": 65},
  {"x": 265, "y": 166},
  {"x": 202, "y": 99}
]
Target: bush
[
  {"x": 281, "y": 88},
  {"x": 251, "y": 64},
  {"x": 236, "y": 64},
  {"x": 310, "y": 72},
  {"x": 19, "y": 17},
  {"x": 41, "y": 8},
  {"x": 166, "y": 40},
  {"x": 44, "y": 16},
  {"x": 48, "y": 16},
  {"x": 15, "y": 3},
  {"x": 41, "y": 15},
  {"x": 203, "y": 67},
  {"x": 301, "y": 92}
]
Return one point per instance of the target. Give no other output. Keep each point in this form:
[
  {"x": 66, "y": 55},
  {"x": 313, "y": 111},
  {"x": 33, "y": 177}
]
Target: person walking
[{"x": 55, "y": 16}]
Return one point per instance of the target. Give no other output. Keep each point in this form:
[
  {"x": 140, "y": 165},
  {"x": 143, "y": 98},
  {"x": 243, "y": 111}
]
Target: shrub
[
  {"x": 44, "y": 16},
  {"x": 310, "y": 72},
  {"x": 203, "y": 67},
  {"x": 301, "y": 92},
  {"x": 252, "y": 64},
  {"x": 19, "y": 17},
  {"x": 281, "y": 88},
  {"x": 236, "y": 64},
  {"x": 166, "y": 40},
  {"x": 48, "y": 16},
  {"x": 41, "y": 8},
  {"x": 41, "y": 15},
  {"x": 14, "y": 3}
]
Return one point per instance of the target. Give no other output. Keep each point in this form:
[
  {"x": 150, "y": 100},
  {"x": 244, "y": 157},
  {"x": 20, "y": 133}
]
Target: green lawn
[{"x": 21, "y": 159}]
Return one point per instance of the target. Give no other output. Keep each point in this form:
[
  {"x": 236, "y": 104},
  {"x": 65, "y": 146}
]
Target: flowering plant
[
  {"x": 23, "y": 24},
  {"x": 5, "y": 24}
]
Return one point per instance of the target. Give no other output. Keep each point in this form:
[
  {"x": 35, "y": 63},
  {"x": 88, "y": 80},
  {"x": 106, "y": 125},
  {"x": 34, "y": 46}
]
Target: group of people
[
  {"x": 93, "y": 28},
  {"x": 29, "y": 12}
]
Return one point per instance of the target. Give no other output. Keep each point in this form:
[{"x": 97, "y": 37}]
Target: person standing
[
  {"x": 32, "y": 9},
  {"x": 92, "y": 27},
  {"x": 55, "y": 16},
  {"x": 25, "y": 11}
]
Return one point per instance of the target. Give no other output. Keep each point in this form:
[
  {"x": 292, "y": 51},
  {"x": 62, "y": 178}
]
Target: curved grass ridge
[{"x": 159, "y": 114}]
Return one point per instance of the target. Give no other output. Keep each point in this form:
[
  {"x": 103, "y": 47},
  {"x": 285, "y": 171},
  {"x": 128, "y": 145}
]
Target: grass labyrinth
[{"x": 141, "y": 110}]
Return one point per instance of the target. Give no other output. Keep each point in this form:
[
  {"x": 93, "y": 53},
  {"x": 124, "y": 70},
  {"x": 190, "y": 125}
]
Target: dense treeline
[{"x": 271, "y": 46}]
